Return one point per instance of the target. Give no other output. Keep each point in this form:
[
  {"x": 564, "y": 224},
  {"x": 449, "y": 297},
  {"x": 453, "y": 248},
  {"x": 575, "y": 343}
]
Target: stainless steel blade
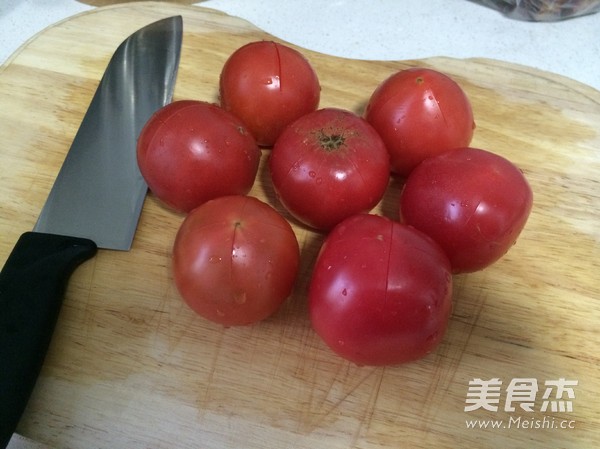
[
  {"x": 99, "y": 191},
  {"x": 95, "y": 201}
]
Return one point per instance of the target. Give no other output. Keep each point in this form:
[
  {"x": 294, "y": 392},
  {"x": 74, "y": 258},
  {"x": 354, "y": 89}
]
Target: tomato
[
  {"x": 235, "y": 260},
  {"x": 419, "y": 113},
  {"x": 380, "y": 293},
  {"x": 268, "y": 85},
  {"x": 474, "y": 203},
  {"x": 190, "y": 152},
  {"x": 328, "y": 165}
]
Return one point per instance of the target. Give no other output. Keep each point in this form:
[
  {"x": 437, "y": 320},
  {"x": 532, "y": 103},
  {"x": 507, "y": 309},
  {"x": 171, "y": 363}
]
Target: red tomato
[
  {"x": 419, "y": 113},
  {"x": 268, "y": 85},
  {"x": 190, "y": 152},
  {"x": 235, "y": 260},
  {"x": 380, "y": 293},
  {"x": 472, "y": 202},
  {"x": 328, "y": 165}
]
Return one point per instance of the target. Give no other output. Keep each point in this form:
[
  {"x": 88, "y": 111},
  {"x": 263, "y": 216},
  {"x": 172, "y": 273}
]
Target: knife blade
[{"x": 95, "y": 202}]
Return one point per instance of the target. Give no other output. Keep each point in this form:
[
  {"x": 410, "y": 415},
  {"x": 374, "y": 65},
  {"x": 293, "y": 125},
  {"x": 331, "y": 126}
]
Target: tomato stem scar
[{"x": 331, "y": 142}]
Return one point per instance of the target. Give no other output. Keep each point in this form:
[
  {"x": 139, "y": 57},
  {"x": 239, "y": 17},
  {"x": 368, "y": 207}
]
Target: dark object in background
[{"x": 543, "y": 10}]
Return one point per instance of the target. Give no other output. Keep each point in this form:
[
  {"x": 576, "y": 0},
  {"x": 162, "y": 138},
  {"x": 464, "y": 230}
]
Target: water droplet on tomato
[
  {"x": 215, "y": 259},
  {"x": 344, "y": 292},
  {"x": 312, "y": 174},
  {"x": 319, "y": 180}
]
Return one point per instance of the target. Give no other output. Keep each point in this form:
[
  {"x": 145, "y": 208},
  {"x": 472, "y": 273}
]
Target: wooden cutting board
[{"x": 131, "y": 366}]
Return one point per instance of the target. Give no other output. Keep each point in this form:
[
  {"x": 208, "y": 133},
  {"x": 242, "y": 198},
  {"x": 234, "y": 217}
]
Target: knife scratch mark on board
[
  {"x": 351, "y": 392},
  {"x": 173, "y": 319},
  {"x": 204, "y": 400},
  {"x": 364, "y": 423},
  {"x": 448, "y": 357}
]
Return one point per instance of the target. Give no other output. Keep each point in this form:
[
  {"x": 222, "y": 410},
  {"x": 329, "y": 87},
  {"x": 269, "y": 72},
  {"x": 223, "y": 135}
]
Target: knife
[{"x": 95, "y": 202}]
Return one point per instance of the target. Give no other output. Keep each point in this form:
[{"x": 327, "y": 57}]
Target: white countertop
[{"x": 376, "y": 29}]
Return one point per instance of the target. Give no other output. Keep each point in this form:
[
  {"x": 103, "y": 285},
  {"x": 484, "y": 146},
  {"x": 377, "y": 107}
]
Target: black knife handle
[{"x": 32, "y": 286}]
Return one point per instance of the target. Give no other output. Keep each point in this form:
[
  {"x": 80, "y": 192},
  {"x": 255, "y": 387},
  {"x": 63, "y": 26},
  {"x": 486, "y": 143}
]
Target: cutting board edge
[{"x": 438, "y": 60}]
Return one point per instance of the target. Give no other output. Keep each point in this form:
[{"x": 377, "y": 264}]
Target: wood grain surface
[{"x": 131, "y": 366}]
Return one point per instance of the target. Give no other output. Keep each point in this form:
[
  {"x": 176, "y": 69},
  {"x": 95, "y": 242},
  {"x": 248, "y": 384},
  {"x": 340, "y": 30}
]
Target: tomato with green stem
[
  {"x": 328, "y": 165},
  {"x": 235, "y": 260}
]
